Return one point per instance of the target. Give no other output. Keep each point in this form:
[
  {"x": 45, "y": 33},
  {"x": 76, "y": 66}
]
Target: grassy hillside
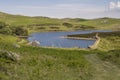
[
  {"x": 42, "y": 63},
  {"x": 46, "y": 63},
  {"x": 54, "y": 24},
  {"x": 104, "y": 23},
  {"x": 38, "y": 63},
  {"x": 25, "y": 20}
]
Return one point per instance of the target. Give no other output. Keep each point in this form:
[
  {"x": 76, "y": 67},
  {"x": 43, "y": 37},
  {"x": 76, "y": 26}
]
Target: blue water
[{"x": 52, "y": 39}]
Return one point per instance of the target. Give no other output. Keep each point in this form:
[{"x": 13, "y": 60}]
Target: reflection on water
[{"x": 52, "y": 39}]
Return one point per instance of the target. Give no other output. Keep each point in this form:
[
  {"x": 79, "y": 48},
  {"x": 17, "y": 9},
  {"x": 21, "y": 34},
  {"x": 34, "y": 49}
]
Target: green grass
[
  {"x": 43, "y": 63},
  {"x": 104, "y": 23},
  {"x": 37, "y": 63},
  {"x": 109, "y": 40},
  {"x": 112, "y": 56},
  {"x": 109, "y": 45},
  {"x": 51, "y": 64},
  {"x": 35, "y": 23}
]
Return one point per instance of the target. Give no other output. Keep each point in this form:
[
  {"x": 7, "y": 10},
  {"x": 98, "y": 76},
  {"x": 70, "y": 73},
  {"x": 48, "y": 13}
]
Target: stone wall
[{"x": 95, "y": 45}]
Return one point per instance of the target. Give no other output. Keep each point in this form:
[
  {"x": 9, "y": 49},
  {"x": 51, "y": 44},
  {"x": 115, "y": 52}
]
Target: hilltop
[{"x": 40, "y": 23}]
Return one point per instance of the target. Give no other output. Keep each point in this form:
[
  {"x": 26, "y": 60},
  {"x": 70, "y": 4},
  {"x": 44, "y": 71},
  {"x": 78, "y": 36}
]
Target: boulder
[
  {"x": 16, "y": 45},
  {"x": 34, "y": 43},
  {"x": 10, "y": 55}
]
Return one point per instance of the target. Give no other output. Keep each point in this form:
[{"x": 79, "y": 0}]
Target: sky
[{"x": 62, "y": 8}]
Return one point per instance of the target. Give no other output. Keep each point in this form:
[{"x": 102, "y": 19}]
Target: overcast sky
[{"x": 62, "y": 8}]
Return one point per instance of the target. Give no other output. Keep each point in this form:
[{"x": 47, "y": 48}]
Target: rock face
[
  {"x": 10, "y": 55},
  {"x": 34, "y": 43},
  {"x": 16, "y": 45},
  {"x": 14, "y": 56}
]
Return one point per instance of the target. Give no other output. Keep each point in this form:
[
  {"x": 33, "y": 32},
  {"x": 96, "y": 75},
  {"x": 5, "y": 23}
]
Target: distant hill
[
  {"x": 104, "y": 23},
  {"x": 40, "y": 23}
]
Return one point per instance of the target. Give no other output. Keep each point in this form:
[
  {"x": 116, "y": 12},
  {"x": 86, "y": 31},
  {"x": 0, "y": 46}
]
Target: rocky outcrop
[
  {"x": 10, "y": 55},
  {"x": 34, "y": 43},
  {"x": 16, "y": 46}
]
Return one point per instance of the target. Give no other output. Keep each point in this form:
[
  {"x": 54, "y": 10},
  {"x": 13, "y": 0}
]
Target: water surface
[{"x": 53, "y": 39}]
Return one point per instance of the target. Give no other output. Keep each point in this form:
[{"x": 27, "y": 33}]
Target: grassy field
[
  {"x": 35, "y": 24},
  {"x": 104, "y": 23}
]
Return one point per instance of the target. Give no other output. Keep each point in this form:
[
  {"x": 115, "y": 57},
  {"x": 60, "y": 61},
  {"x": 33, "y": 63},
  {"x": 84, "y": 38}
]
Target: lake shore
[{"x": 77, "y": 38}]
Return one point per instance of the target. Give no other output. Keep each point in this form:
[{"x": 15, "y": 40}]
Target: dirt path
[{"x": 103, "y": 70}]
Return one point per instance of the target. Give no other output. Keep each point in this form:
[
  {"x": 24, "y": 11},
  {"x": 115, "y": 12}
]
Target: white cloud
[
  {"x": 112, "y": 5},
  {"x": 118, "y": 4},
  {"x": 115, "y": 5}
]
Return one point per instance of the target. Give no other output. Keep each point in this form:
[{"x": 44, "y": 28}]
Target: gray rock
[
  {"x": 34, "y": 43},
  {"x": 16, "y": 45},
  {"x": 10, "y": 55}
]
